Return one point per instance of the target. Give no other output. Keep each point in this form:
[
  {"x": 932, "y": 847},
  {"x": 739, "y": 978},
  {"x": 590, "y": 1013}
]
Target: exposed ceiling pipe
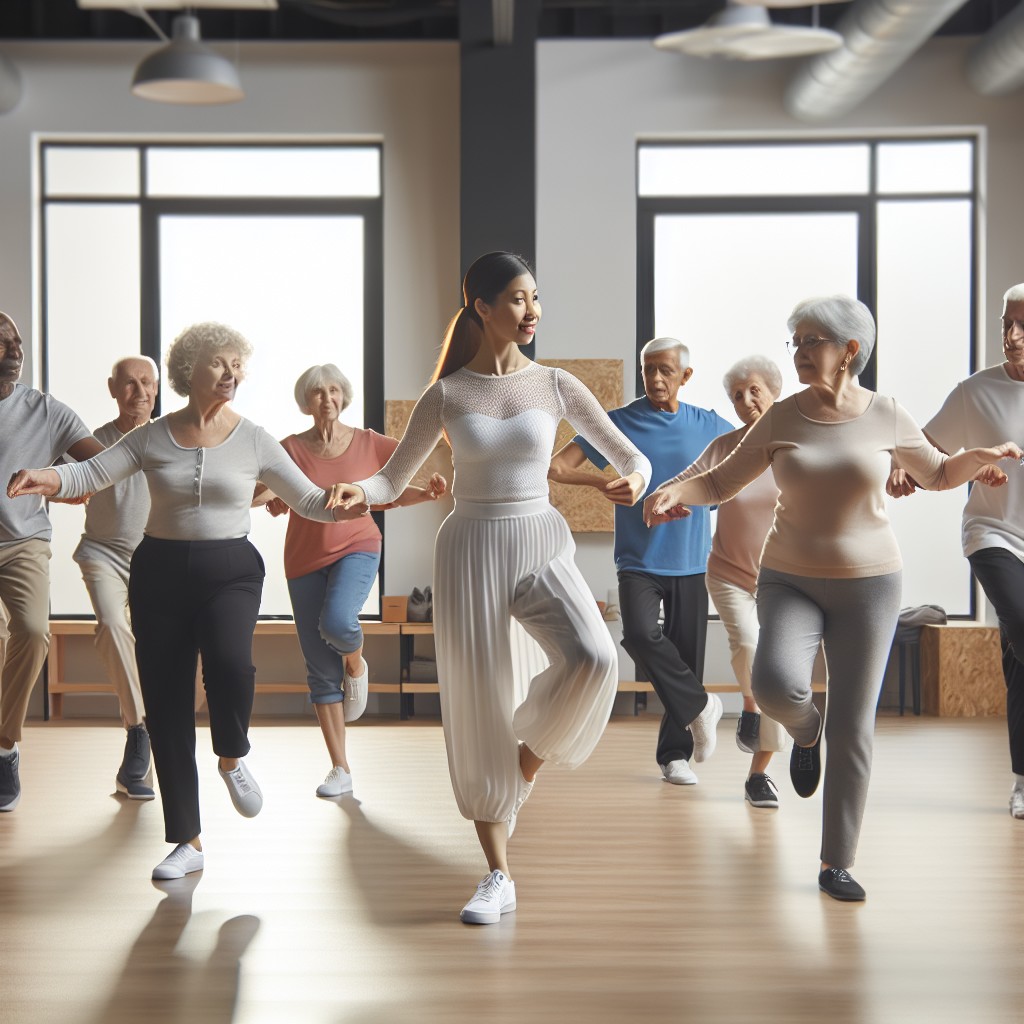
[
  {"x": 878, "y": 36},
  {"x": 996, "y": 64}
]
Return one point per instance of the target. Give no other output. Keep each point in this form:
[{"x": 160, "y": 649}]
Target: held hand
[
  {"x": 991, "y": 476},
  {"x": 1007, "y": 450},
  {"x": 346, "y": 497},
  {"x": 626, "y": 490},
  {"x": 900, "y": 484},
  {"x": 657, "y": 511},
  {"x": 83, "y": 500},
  {"x": 277, "y": 507},
  {"x": 33, "y": 481},
  {"x": 436, "y": 486}
]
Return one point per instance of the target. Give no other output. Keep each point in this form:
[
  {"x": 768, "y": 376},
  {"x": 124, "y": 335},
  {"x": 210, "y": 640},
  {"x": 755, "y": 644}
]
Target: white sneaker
[
  {"x": 495, "y": 895},
  {"x": 338, "y": 781},
  {"x": 181, "y": 861},
  {"x": 679, "y": 773},
  {"x": 1017, "y": 803},
  {"x": 245, "y": 792},
  {"x": 703, "y": 728},
  {"x": 356, "y": 692},
  {"x": 525, "y": 789}
]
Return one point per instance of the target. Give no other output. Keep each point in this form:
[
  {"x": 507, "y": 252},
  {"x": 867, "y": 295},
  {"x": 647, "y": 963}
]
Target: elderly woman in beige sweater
[{"x": 831, "y": 569}]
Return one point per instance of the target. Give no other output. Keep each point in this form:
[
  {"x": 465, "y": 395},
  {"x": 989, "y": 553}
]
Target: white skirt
[{"x": 496, "y": 565}]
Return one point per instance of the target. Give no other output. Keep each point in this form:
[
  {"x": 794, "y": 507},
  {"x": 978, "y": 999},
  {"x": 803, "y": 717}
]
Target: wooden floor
[{"x": 638, "y": 901}]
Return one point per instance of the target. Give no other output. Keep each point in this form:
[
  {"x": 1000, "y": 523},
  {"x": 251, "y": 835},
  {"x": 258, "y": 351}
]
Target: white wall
[{"x": 596, "y": 99}]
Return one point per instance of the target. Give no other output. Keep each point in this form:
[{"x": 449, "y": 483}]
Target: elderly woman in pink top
[
  {"x": 831, "y": 568},
  {"x": 752, "y": 385},
  {"x": 331, "y": 566}
]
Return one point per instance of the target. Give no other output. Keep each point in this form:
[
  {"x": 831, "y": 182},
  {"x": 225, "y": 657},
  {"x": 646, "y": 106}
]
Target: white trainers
[
  {"x": 495, "y": 895},
  {"x": 679, "y": 773},
  {"x": 181, "y": 861},
  {"x": 245, "y": 792},
  {"x": 1017, "y": 803},
  {"x": 525, "y": 789},
  {"x": 703, "y": 728},
  {"x": 356, "y": 691},
  {"x": 338, "y": 781}
]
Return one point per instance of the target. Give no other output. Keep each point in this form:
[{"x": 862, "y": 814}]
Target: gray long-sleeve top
[{"x": 198, "y": 493}]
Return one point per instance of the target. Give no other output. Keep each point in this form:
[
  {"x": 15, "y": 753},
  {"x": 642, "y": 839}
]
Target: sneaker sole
[
  {"x": 681, "y": 782},
  {"x": 774, "y": 804},
  {"x": 479, "y": 917},
  {"x": 134, "y": 796},
  {"x": 841, "y": 899},
  {"x": 709, "y": 748},
  {"x": 331, "y": 795},
  {"x": 11, "y": 805},
  {"x": 172, "y": 878}
]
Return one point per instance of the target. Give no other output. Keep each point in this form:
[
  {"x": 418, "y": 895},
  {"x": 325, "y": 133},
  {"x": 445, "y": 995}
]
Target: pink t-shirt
[{"x": 310, "y": 545}]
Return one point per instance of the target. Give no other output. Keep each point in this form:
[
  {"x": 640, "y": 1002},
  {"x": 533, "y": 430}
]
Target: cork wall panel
[
  {"x": 585, "y": 510},
  {"x": 961, "y": 672}
]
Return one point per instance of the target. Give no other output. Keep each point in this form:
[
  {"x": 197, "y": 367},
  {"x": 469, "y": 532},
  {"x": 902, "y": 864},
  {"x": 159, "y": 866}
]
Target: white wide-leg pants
[{"x": 493, "y": 564}]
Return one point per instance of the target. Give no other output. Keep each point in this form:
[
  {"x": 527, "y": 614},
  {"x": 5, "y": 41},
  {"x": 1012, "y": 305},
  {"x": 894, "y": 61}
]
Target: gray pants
[{"x": 856, "y": 618}]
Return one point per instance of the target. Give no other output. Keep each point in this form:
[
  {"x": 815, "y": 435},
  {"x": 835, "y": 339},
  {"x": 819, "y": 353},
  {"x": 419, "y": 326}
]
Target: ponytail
[{"x": 461, "y": 340}]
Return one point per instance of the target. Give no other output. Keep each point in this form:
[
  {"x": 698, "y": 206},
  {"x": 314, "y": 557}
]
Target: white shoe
[
  {"x": 356, "y": 692},
  {"x": 525, "y": 789},
  {"x": 245, "y": 792},
  {"x": 679, "y": 773},
  {"x": 495, "y": 895},
  {"x": 181, "y": 861},
  {"x": 703, "y": 728},
  {"x": 1017, "y": 803},
  {"x": 338, "y": 781}
]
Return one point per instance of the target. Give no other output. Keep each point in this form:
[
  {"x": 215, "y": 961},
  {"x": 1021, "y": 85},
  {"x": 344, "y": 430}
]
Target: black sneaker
[
  {"x": 134, "y": 770},
  {"x": 10, "y": 782},
  {"x": 748, "y": 732},
  {"x": 760, "y": 791},
  {"x": 839, "y": 884},
  {"x": 805, "y": 768}
]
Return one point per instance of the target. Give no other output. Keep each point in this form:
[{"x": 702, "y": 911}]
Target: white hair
[
  {"x": 844, "y": 319},
  {"x": 1014, "y": 294},
  {"x": 116, "y": 368},
  {"x": 318, "y": 376},
  {"x": 753, "y": 366},
  {"x": 664, "y": 345}
]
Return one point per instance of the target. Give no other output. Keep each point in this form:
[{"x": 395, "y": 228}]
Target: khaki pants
[
  {"x": 25, "y": 593},
  {"x": 108, "y": 591}
]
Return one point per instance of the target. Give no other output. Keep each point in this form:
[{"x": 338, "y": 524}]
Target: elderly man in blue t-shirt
[
  {"x": 37, "y": 430},
  {"x": 658, "y": 569}
]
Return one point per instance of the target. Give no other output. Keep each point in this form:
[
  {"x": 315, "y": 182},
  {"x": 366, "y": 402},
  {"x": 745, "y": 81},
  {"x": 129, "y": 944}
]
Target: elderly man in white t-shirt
[
  {"x": 114, "y": 522},
  {"x": 36, "y": 430},
  {"x": 982, "y": 410}
]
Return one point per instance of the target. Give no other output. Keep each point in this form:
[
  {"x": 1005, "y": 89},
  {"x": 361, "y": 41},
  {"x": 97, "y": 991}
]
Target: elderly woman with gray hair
[
  {"x": 831, "y": 567},
  {"x": 753, "y": 384},
  {"x": 331, "y": 567},
  {"x": 196, "y": 581}
]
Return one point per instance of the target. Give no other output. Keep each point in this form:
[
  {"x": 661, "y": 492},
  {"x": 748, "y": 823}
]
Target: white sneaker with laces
[
  {"x": 703, "y": 728},
  {"x": 679, "y": 773},
  {"x": 356, "y": 691},
  {"x": 338, "y": 781},
  {"x": 495, "y": 895},
  {"x": 1017, "y": 803},
  {"x": 181, "y": 861},
  {"x": 245, "y": 792}
]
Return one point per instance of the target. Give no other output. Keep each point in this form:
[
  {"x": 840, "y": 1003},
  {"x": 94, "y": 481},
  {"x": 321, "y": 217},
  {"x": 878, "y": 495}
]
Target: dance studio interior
[{"x": 319, "y": 175}]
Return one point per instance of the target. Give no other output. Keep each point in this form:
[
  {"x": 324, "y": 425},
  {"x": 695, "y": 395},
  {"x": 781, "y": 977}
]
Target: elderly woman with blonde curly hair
[{"x": 196, "y": 581}]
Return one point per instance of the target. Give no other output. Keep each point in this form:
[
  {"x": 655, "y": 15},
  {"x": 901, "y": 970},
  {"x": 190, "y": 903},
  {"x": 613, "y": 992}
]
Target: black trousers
[
  {"x": 1001, "y": 575},
  {"x": 672, "y": 657},
  {"x": 192, "y": 598}
]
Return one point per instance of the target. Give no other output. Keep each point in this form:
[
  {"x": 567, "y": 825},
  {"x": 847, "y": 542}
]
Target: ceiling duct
[
  {"x": 878, "y": 37},
  {"x": 996, "y": 64}
]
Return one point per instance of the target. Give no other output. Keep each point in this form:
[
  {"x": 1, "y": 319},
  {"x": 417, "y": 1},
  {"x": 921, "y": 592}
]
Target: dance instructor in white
[
  {"x": 831, "y": 568},
  {"x": 506, "y": 553},
  {"x": 196, "y": 581}
]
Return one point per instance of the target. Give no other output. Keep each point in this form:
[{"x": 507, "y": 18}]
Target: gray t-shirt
[
  {"x": 199, "y": 493},
  {"x": 35, "y": 429},
  {"x": 115, "y": 518}
]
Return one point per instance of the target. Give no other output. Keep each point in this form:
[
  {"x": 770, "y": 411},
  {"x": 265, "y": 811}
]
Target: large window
[
  {"x": 281, "y": 242},
  {"x": 732, "y": 235}
]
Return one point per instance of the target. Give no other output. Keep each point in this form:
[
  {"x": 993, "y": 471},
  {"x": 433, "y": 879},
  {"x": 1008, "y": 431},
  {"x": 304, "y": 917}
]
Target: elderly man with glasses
[{"x": 989, "y": 405}]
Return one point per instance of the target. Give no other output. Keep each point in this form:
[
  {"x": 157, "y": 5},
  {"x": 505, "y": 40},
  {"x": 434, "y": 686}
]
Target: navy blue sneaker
[
  {"x": 805, "y": 768},
  {"x": 10, "y": 783}
]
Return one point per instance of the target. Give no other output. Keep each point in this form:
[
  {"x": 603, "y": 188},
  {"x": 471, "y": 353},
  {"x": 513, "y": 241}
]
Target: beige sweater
[
  {"x": 743, "y": 521},
  {"x": 830, "y": 519}
]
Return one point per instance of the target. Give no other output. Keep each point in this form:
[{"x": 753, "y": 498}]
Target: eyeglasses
[
  {"x": 1009, "y": 325},
  {"x": 807, "y": 342}
]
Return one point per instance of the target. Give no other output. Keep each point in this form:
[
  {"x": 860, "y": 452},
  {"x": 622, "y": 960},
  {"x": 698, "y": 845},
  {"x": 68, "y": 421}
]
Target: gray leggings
[{"x": 856, "y": 618}]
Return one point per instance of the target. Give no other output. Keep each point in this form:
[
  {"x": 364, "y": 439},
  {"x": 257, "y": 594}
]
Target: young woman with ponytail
[{"x": 506, "y": 554}]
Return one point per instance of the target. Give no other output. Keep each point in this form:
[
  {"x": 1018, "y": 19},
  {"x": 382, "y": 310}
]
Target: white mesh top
[{"x": 502, "y": 431}]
